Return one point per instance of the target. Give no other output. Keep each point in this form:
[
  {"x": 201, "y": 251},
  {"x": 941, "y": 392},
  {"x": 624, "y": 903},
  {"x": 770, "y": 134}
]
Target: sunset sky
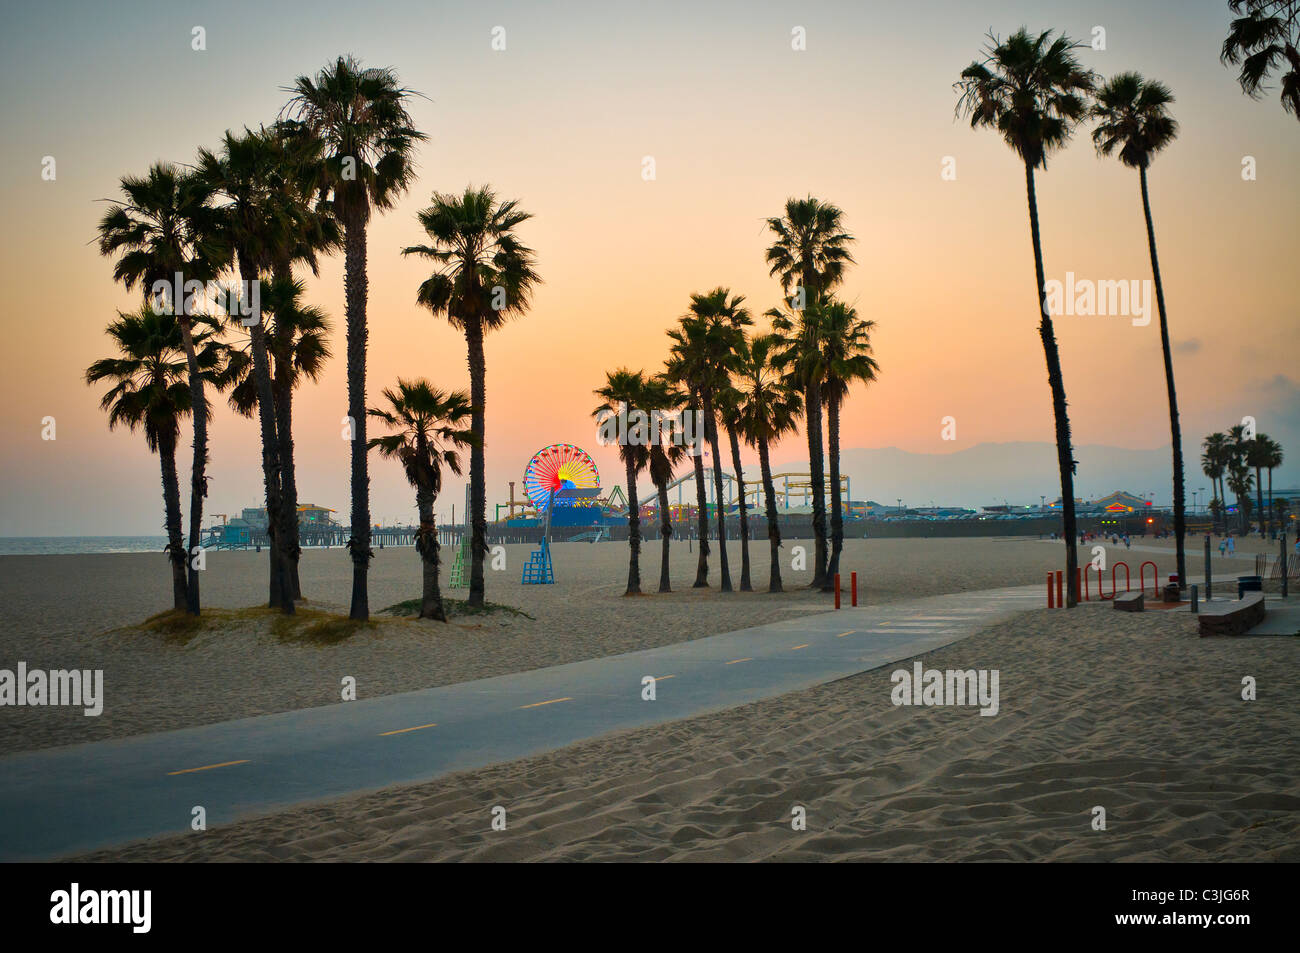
[{"x": 737, "y": 122}]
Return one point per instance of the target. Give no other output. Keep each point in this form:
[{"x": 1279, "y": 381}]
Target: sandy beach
[{"x": 85, "y": 611}]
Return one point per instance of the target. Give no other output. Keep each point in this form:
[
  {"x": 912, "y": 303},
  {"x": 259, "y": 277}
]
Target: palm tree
[
  {"x": 1033, "y": 91},
  {"x": 1273, "y": 457},
  {"x": 1133, "y": 120},
  {"x": 667, "y": 450},
  {"x": 808, "y": 254},
  {"x": 710, "y": 331},
  {"x": 150, "y": 392},
  {"x": 621, "y": 393},
  {"x": 1258, "y": 454},
  {"x": 360, "y": 115},
  {"x": 429, "y": 427},
  {"x": 727, "y": 400},
  {"x": 768, "y": 408},
  {"x": 1216, "y": 450},
  {"x": 163, "y": 228},
  {"x": 1240, "y": 480},
  {"x": 846, "y": 344},
  {"x": 683, "y": 370},
  {"x": 1265, "y": 37},
  {"x": 259, "y": 228},
  {"x": 298, "y": 337},
  {"x": 484, "y": 277}
]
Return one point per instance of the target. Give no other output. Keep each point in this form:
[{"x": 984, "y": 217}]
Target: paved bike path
[{"x": 73, "y": 799}]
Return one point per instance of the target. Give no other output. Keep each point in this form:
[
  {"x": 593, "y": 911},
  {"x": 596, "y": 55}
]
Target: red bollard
[
  {"x": 1051, "y": 600},
  {"x": 853, "y": 582},
  {"x": 1060, "y": 588},
  {"x": 837, "y": 590}
]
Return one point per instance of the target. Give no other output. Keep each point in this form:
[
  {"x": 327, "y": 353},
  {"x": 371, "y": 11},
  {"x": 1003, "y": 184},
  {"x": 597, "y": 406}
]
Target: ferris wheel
[{"x": 561, "y": 466}]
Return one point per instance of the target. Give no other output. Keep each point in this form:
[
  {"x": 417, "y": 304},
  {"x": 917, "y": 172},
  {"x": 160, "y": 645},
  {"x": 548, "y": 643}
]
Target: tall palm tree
[
  {"x": 258, "y": 227},
  {"x": 768, "y": 408},
  {"x": 1257, "y": 458},
  {"x": 1216, "y": 449},
  {"x": 621, "y": 393},
  {"x": 667, "y": 450},
  {"x": 1240, "y": 481},
  {"x": 1033, "y": 91},
  {"x": 360, "y": 114},
  {"x": 683, "y": 369},
  {"x": 1134, "y": 122},
  {"x": 484, "y": 277},
  {"x": 299, "y": 175},
  {"x": 808, "y": 254},
  {"x": 846, "y": 343},
  {"x": 711, "y": 330},
  {"x": 1273, "y": 457},
  {"x": 150, "y": 391},
  {"x": 728, "y": 403},
  {"x": 429, "y": 430},
  {"x": 1266, "y": 37},
  {"x": 298, "y": 337},
  {"x": 161, "y": 228}
]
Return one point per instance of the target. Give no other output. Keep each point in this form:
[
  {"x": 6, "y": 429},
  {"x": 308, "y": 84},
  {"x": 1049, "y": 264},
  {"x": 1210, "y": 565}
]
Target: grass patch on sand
[
  {"x": 309, "y": 626},
  {"x": 455, "y": 608}
]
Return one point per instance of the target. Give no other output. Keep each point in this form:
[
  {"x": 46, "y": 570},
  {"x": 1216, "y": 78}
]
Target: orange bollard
[
  {"x": 853, "y": 586},
  {"x": 1060, "y": 588},
  {"x": 1051, "y": 601},
  {"x": 837, "y": 590}
]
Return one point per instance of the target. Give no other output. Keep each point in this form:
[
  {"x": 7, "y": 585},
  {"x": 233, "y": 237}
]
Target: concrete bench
[
  {"x": 1232, "y": 618},
  {"x": 1131, "y": 601}
]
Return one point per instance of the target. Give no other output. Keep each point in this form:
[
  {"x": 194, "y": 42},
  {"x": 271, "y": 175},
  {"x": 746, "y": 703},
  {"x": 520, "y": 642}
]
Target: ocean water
[{"x": 49, "y": 545}]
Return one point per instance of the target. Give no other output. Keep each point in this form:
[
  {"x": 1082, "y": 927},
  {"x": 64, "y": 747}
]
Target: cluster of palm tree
[
  {"x": 1235, "y": 462},
  {"x": 1264, "y": 38},
  {"x": 757, "y": 388},
  {"x": 266, "y": 202}
]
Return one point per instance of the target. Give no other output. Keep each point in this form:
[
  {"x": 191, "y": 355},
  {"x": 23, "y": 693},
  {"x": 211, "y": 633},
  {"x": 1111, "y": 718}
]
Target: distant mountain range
[{"x": 989, "y": 473}]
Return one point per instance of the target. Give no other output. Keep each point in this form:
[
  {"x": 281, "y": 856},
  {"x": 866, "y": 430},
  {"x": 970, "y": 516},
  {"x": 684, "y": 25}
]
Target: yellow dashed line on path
[
  {"x": 660, "y": 678},
  {"x": 734, "y": 661},
  {"x": 402, "y": 731},
  {"x": 842, "y": 634},
  {"x": 804, "y": 646},
  {"x": 549, "y": 702},
  {"x": 207, "y": 767}
]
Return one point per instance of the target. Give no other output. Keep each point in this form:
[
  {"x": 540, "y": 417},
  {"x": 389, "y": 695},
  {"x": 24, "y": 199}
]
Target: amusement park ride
[{"x": 558, "y": 477}]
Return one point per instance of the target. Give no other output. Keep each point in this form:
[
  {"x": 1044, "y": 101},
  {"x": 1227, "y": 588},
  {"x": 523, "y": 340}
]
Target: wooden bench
[
  {"x": 1232, "y": 618},
  {"x": 1134, "y": 601}
]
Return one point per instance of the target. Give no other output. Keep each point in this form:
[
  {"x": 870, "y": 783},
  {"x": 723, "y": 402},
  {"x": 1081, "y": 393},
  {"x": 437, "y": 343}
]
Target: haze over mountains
[{"x": 991, "y": 473}]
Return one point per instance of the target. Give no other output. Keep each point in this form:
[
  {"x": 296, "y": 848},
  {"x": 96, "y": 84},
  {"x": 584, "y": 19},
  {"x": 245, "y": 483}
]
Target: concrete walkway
[{"x": 73, "y": 799}]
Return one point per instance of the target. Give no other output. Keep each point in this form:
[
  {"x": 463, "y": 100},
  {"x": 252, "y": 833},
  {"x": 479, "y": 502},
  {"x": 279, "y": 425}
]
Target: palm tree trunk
[
  {"x": 355, "y": 284},
  {"x": 281, "y": 595},
  {"x": 817, "y": 465},
  {"x": 711, "y": 432},
  {"x": 431, "y": 606},
  {"x": 477, "y": 477},
  {"x": 665, "y": 533},
  {"x": 282, "y": 384},
  {"x": 1064, "y": 453},
  {"x": 633, "y": 534},
  {"x": 1259, "y": 496},
  {"x": 172, "y": 510},
  {"x": 837, "y": 502},
  {"x": 702, "y": 510},
  {"x": 773, "y": 530},
  {"x": 745, "y": 585},
  {"x": 1175, "y": 430},
  {"x": 198, "y": 469},
  {"x": 1270, "y": 498}
]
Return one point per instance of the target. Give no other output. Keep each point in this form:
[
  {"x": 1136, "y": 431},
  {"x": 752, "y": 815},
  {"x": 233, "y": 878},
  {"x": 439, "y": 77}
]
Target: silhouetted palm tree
[
  {"x": 1133, "y": 121},
  {"x": 1266, "y": 37},
  {"x": 684, "y": 369},
  {"x": 1273, "y": 457},
  {"x": 484, "y": 278},
  {"x": 151, "y": 392},
  {"x": 768, "y": 408},
  {"x": 846, "y": 343},
  {"x": 162, "y": 228},
  {"x": 727, "y": 399},
  {"x": 1257, "y": 458},
  {"x": 1033, "y": 91},
  {"x": 621, "y": 393},
  {"x": 808, "y": 254},
  {"x": 367, "y": 162},
  {"x": 1216, "y": 451},
  {"x": 430, "y": 429},
  {"x": 667, "y": 450}
]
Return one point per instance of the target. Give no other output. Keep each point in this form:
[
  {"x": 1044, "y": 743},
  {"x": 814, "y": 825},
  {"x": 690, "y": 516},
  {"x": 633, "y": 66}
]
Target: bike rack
[
  {"x": 1114, "y": 582},
  {"x": 1155, "y": 578}
]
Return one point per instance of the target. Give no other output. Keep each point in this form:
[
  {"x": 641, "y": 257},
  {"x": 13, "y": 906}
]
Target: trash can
[{"x": 1247, "y": 584}]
